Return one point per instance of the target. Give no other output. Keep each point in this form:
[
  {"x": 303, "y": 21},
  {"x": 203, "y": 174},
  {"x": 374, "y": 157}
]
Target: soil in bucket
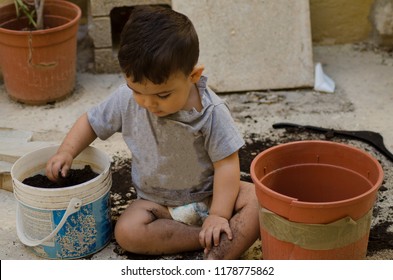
[{"x": 74, "y": 177}]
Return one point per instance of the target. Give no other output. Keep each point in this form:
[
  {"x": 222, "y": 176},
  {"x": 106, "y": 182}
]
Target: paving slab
[
  {"x": 10, "y": 152},
  {"x": 14, "y": 143},
  {"x": 15, "y": 135},
  {"x": 253, "y": 45}
]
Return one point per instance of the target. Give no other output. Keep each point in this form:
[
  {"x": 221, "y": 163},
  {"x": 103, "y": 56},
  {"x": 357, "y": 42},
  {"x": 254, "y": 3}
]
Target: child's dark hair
[{"x": 155, "y": 43}]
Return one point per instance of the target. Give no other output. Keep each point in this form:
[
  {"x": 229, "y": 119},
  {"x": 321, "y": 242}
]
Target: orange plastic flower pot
[
  {"x": 39, "y": 66},
  {"x": 315, "y": 200}
]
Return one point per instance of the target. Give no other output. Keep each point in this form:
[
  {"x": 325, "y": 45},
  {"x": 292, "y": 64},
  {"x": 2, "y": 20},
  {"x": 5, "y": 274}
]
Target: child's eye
[{"x": 164, "y": 96}]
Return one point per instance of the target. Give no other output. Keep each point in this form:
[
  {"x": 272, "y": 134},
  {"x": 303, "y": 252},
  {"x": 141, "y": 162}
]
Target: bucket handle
[{"x": 73, "y": 207}]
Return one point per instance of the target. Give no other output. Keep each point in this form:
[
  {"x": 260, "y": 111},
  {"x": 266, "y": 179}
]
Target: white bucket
[{"x": 63, "y": 223}]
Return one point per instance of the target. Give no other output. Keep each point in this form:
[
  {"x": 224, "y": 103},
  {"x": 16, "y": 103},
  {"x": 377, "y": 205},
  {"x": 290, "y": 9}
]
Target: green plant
[{"x": 33, "y": 10}]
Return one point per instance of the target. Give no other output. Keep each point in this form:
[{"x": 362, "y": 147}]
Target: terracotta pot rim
[
  {"x": 303, "y": 204},
  {"x": 68, "y": 24}
]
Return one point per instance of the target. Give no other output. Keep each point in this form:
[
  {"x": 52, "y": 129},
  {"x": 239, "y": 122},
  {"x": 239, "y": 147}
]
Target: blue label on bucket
[{"x": 84, "y": 233}]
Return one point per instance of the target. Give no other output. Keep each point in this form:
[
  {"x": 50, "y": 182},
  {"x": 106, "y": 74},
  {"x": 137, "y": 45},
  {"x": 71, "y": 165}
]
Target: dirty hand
[
  {"x": 58, "y": 165},
  {"x": 211, "y": 231}
]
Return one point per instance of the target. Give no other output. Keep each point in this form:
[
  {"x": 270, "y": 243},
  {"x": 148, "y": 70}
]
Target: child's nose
[{"x": 149, "y": 101}]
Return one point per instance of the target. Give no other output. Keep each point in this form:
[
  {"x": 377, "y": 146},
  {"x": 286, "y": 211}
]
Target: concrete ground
[{"x": 363, "y": 100}]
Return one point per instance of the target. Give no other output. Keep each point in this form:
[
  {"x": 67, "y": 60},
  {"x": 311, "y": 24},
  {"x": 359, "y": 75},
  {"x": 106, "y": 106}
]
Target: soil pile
[{"x": 74, "y": 177}]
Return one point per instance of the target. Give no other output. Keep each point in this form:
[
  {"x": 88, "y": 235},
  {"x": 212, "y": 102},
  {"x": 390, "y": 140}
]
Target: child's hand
[
  {"x": 58, "y": 165},
  {"x": 211, "y": 230}
]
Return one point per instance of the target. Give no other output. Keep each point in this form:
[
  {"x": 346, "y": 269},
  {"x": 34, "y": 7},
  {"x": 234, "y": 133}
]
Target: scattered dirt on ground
[
  {"x": 123, "y": 192},
  {"x": 74, "y": 177}
]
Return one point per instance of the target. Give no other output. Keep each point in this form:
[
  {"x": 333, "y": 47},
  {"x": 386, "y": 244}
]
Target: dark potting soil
[{"x": 74, "y": 177}]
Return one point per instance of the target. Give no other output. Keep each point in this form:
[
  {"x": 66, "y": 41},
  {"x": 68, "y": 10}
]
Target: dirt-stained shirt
[{"x": 172, "y": 156}]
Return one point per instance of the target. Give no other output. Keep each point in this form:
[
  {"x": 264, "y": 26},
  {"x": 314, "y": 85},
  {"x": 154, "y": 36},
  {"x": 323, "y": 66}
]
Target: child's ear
[{"x": 196, "y": 73}]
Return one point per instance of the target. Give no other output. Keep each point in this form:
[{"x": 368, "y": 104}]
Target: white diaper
[{"x": 191, "y": 214}]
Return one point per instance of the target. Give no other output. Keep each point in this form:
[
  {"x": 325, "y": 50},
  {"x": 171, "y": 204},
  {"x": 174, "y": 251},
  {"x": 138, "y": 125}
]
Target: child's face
[{"x": 167, "y": 98}]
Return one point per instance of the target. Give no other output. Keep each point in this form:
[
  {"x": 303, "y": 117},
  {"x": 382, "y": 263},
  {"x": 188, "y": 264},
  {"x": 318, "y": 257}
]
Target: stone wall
[{"x": 99, "y": 18}]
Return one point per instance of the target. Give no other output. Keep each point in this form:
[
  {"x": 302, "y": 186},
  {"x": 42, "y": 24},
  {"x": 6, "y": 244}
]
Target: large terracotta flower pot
[
  {"x": 39, "y": 66},
  {"x": 316, "y": 200}
]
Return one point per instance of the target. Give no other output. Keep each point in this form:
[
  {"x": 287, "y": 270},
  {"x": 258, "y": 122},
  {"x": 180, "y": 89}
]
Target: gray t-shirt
[{"x": 172, "y": 156}]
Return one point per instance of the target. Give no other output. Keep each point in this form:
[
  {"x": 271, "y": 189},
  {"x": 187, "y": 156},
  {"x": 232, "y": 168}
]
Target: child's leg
[
  {"x": 147, "y": 228},
  {"x": 244, "y": 225}
]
